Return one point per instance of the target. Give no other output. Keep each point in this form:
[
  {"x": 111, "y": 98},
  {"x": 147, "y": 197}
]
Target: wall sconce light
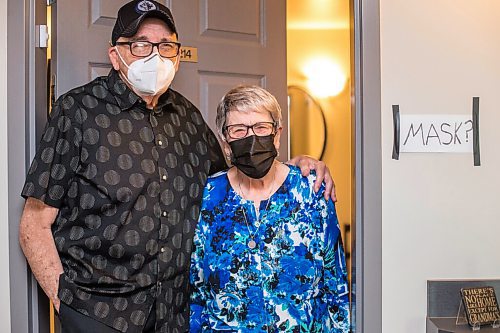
[{"x": 325, "y": 78}]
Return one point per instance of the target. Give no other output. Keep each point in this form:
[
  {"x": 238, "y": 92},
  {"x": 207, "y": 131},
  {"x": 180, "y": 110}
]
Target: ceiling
[{"x": 317, "y": 14}]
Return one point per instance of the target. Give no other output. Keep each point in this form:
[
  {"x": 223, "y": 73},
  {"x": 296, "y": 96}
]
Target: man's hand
[
  {"x": 306, "y": 164},
  {"x": 37, "y": 242}
]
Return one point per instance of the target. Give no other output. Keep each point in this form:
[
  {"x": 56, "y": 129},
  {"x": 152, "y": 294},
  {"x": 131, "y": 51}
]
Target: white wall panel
[{"x": 440, "y": 213}]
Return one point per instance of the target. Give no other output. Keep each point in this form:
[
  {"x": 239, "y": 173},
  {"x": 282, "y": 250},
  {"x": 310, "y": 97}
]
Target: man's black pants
[{"x": 73, "y": 321}]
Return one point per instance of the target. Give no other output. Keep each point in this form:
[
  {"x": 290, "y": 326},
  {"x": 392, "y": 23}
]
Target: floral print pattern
[{"x": 294, "y": 280}]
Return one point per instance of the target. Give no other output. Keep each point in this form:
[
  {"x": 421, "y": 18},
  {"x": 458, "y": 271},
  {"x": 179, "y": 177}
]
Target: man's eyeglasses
[
  {"x": 239, "y": 131},
  {"x": 145, "y": 48}
]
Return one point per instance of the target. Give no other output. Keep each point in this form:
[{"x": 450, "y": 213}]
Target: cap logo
[{"x": 145, "y": 6}]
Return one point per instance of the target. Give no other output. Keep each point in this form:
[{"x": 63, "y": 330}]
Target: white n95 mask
[{"x": 150, "y": 75}]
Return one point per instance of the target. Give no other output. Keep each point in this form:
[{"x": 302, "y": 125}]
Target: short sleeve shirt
[{"x": 128, "y": 183}]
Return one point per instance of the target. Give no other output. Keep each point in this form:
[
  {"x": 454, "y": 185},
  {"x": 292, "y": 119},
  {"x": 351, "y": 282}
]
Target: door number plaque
[{"x": 189, "y": 54}]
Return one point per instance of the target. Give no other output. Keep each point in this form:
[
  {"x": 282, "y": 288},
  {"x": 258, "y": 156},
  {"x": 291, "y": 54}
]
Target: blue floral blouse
[{"x": 293, "y": 280}]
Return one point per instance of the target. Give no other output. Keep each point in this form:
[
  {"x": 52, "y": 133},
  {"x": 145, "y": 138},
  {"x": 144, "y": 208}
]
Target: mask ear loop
[
  {"x": 123, "y": 61},
  {"x": 120, "y": 56}
]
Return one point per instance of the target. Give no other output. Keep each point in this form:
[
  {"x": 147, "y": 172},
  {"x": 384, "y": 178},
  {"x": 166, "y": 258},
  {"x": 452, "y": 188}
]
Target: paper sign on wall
[
  {"x": 436, "y": 133},
  {"x": 443, "y": 133}
]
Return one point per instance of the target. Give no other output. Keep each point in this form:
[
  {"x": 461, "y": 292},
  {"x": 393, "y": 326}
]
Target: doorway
[
  {"x": 318, "y": 78},
  {"x": 348, "y": 32},
  {"x": 366, "y": 257}
]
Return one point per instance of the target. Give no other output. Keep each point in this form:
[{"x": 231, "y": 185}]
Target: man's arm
[
  {"x": 37, "y": 242},
  {"x": 306, "y": 164}
]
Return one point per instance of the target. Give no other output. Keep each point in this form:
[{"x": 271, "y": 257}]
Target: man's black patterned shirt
[{"x": 128, "y": 182}]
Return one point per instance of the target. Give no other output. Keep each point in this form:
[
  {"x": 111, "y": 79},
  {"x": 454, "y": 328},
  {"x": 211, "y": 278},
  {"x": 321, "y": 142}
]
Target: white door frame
[
  {"x": 23, "y": 128},
  {"x": 18, "y": 127},
  {"x": 365, "y": 41},
  {"x": 26, "y": 114}
]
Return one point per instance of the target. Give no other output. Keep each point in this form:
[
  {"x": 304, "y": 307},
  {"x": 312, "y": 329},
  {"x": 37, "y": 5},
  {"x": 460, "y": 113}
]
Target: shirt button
[
  {"x": 160, "y": 142},
  {"x": 164, "y": 177}
]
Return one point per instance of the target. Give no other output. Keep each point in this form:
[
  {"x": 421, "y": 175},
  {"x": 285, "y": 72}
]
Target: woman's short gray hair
[{"x": 245, "y": 98}]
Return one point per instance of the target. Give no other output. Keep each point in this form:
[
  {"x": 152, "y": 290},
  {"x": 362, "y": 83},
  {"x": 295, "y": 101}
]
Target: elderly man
[{"x": 114, "y": 191}]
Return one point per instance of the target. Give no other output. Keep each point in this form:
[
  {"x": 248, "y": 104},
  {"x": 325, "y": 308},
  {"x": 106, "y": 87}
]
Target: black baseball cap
[{"x": 132, "y": 14}]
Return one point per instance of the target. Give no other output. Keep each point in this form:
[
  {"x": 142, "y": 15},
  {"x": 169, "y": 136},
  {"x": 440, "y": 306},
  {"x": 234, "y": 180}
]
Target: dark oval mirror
[{"x": 307, "y": 124}]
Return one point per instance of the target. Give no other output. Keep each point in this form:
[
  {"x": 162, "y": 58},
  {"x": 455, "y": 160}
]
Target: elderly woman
[{"x": 268, "y": 253}]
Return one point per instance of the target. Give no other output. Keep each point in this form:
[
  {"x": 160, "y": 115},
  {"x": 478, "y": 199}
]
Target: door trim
[
  {"x": 26, "y": 117},
  {"x": 18, "y": 128},
  {"x": 367, "y": 287}
]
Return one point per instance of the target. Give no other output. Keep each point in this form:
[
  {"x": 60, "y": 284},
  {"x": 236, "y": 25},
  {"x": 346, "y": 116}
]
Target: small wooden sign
[
  {"x": 481, "y": 306},
  {"x": 189, "y": 54}
]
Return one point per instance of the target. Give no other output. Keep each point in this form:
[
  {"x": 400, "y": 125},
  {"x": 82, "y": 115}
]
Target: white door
[{"x": 237, "y": 41}]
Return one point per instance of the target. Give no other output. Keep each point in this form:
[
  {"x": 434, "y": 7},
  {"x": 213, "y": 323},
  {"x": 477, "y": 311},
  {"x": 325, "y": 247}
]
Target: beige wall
[
  {"x": 302, "y": 45},
  {"x": 4, "y": 226},
  {"x": 440, "y": 213}
]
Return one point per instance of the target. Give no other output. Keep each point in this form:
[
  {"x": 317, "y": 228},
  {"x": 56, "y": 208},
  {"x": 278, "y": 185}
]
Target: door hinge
[{"x": 42, "y": 36}]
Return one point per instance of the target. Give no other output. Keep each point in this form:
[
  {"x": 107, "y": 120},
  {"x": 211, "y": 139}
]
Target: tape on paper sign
[
  {"x": 475, "y": 121},
  {"x": 397, "y": 129}
]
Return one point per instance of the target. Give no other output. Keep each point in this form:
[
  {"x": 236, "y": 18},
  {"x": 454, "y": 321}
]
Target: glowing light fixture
[{"x": 325, "y": 78}]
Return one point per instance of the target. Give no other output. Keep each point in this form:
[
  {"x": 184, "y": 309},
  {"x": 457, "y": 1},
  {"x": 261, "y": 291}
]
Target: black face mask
[{"x": 254, "y": 155}]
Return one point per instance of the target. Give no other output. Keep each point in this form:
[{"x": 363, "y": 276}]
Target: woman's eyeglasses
[{"x": 239, "y": 131}]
